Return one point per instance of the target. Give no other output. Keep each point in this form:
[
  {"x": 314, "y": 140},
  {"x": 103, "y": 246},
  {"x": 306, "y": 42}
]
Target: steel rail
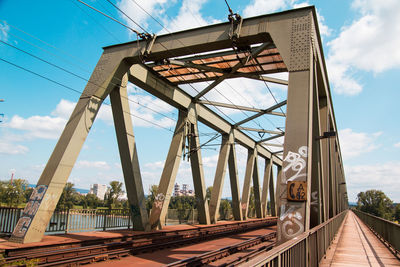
[{"x": 132, "y": 244}]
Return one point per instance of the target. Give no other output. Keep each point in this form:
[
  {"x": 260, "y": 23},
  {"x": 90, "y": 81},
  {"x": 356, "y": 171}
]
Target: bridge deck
[{"x": 356, "y": 245}]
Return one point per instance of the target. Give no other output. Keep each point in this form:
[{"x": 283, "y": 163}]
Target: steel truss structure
[{"x": 310, "y": 185}]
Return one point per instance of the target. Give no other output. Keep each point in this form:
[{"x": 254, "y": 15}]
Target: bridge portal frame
[{"x": 307, "y": 155}]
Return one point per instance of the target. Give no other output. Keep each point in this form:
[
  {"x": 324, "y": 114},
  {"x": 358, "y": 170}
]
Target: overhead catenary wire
[
  {"x": 229, "y": 8},
  {"x": 141, "y": 35},
  {"x": 61, "y": 58},
  {"x": 134, "y": 1},
  {"x": 161, "y": 44},
  {"x": 117, "y": 21},
  {"x": 166, "y": 50},
  {"x": 80, "y": 77},
  {"x": 79, "y": 92},
  {"x": 137, "y": 24},
  {"x": 101, "y": 25}
]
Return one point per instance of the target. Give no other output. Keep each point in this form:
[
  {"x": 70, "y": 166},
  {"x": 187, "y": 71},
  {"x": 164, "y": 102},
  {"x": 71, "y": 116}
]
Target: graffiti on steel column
[
  {"x": 292, "y": 222},
  {"x": 314, "y": 201},
  {"x": 296, "y": 163},
  {"x": 159, "y": 201},
  {"x": 30, "y": 210}
]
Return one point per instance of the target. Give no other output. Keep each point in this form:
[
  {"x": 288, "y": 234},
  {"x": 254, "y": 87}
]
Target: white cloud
[
  {"x": 397, "y": 145},
  {"x": 369, "y": 44},
  {"x": 12, "y": 149},
  {"x": 189, "y": 16},
  {"x": 93, "y": 164},
  {"x": 259, "y": 7},
  {"x": 4, "y": 29},
  {"x": 153, "y": 7},
  {"x": 45, "y": 127},
  {"x": 382, "y": 176},
  {"x": 51, "y": 126},
  {"x": 353, "y": 144},
  {"x": 64, "y": 109}
]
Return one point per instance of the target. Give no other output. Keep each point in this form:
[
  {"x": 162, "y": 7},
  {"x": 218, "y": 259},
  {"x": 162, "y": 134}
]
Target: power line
[
  {"x": 168, "y": 49},
  {"x": 229, "y": 8},
  {"x": 101, "y": 25},
  {"x": 56, "y": 55},
  {"x": 80, "y": 93},
  {"x": 80, "y": 77},
  {"x": 141, "y": 35},
  {"x": 137, "y": 24}
]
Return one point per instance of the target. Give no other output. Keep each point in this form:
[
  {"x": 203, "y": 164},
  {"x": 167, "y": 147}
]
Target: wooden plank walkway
[{"x": 356, "y": 245}]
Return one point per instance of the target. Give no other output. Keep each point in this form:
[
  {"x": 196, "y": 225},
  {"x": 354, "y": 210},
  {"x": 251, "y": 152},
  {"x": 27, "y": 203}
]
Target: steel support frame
[{"x": 295, "y": 35}]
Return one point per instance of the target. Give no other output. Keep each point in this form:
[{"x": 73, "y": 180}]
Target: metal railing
[
  {"x": 8, "y": 219},
  {"x": 72, "y": 220},
  {"x": 387, "y": 231},
  {"x": 306, "y": 249}
]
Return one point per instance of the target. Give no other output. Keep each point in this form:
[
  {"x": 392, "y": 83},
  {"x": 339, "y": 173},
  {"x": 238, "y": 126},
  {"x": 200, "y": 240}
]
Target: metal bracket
[
  {"x": 150, "y": 39},
  {"x": 326, "y": 135},
  {"x": 236, "y": 26}
]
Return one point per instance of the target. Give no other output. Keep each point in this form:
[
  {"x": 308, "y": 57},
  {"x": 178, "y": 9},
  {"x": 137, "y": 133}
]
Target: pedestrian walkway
[{"x": 356, "y": 245}]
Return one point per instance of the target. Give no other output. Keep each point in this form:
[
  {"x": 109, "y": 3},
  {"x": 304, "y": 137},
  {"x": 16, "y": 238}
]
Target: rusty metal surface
[
  {"x": 171, "y": 255},
  {"x": 92, "y": 247},
  {"x": 268, "y": 61}
]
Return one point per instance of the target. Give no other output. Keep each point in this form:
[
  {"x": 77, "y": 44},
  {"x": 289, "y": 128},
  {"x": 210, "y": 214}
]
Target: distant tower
[
  {"x": 177, "y": 190},
  {"x": 99, "y": 190}
]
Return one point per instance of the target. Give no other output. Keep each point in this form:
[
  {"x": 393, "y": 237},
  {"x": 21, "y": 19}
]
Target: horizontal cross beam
[
  {"x": 258, "y": 130},
  {"x": 256, "y": 52},
  {"x": 268, "y": 110}
]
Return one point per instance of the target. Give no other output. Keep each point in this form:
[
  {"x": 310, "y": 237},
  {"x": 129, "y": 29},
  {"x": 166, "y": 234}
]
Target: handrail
[
  {"x": 387, "y": 231},
  {"x": 311, "y": 245}
]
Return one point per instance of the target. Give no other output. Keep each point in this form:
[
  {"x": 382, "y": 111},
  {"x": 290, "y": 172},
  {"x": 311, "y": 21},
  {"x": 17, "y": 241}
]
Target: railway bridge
[{"x": 304, "y": 181}]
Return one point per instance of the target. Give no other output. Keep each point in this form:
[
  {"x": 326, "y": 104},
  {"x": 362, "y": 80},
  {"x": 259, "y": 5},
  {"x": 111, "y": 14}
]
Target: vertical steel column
[
  {"x": 266, "y": 184},
  {"x": 234, "y": 179},
  {"x": 40, "y": 207},
  {"x": 256, "y": 187},
  {"x": 197, "y": 169},
  {"x": 251, "y": 154},
  {"x": 129, "y": 156},
  {"x": 273, "y": 192},
  {"x": 324, "y": 145},
  {"x": 168, "y": 176},
  {"x": 316, "y": 211},
  {"x": 332, "y": 170},
  {"x": 296, "y": 167},
  {"x": 219, "y": 178}
]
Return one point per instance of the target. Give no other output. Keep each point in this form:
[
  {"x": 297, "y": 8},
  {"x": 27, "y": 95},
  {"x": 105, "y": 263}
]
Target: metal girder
[
  {"x": 262, "y": 78},
  {"x": 227, "y": 157},
  {"x": 173, "y": 95},
  {"x": 128, "y": 154},
  {"x": 219, "y": 104},
  {"x": 266, "y": 111},
  {"x": 271, "y": 138},
  {"x": 253, "y": 54},
  {"x": 258, "y": 130},
  {"x": 168, "y": 176},
  {"x": 270, "y": 144},
  {"x": 265, "y": 188},
  {"x": 295, "y": 36}
]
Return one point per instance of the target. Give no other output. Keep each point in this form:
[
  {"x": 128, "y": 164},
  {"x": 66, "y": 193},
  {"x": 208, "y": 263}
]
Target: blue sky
[{"x": 360, "y": 39}]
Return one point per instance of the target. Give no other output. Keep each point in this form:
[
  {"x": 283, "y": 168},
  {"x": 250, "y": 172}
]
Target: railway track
[
  {"x": 73, "y": 254},
  {"x": 230, "y": 255}
]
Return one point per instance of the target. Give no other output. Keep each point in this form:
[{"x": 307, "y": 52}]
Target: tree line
[
  {"x": 16, "y": 193},
  {"x": 375, "y": 202}
]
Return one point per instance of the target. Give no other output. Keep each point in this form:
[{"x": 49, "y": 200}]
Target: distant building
[
  {"x": 99, "y": 190},
  {"x": 185, "y": 191},
  {"x": 177, "y": 190}
]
